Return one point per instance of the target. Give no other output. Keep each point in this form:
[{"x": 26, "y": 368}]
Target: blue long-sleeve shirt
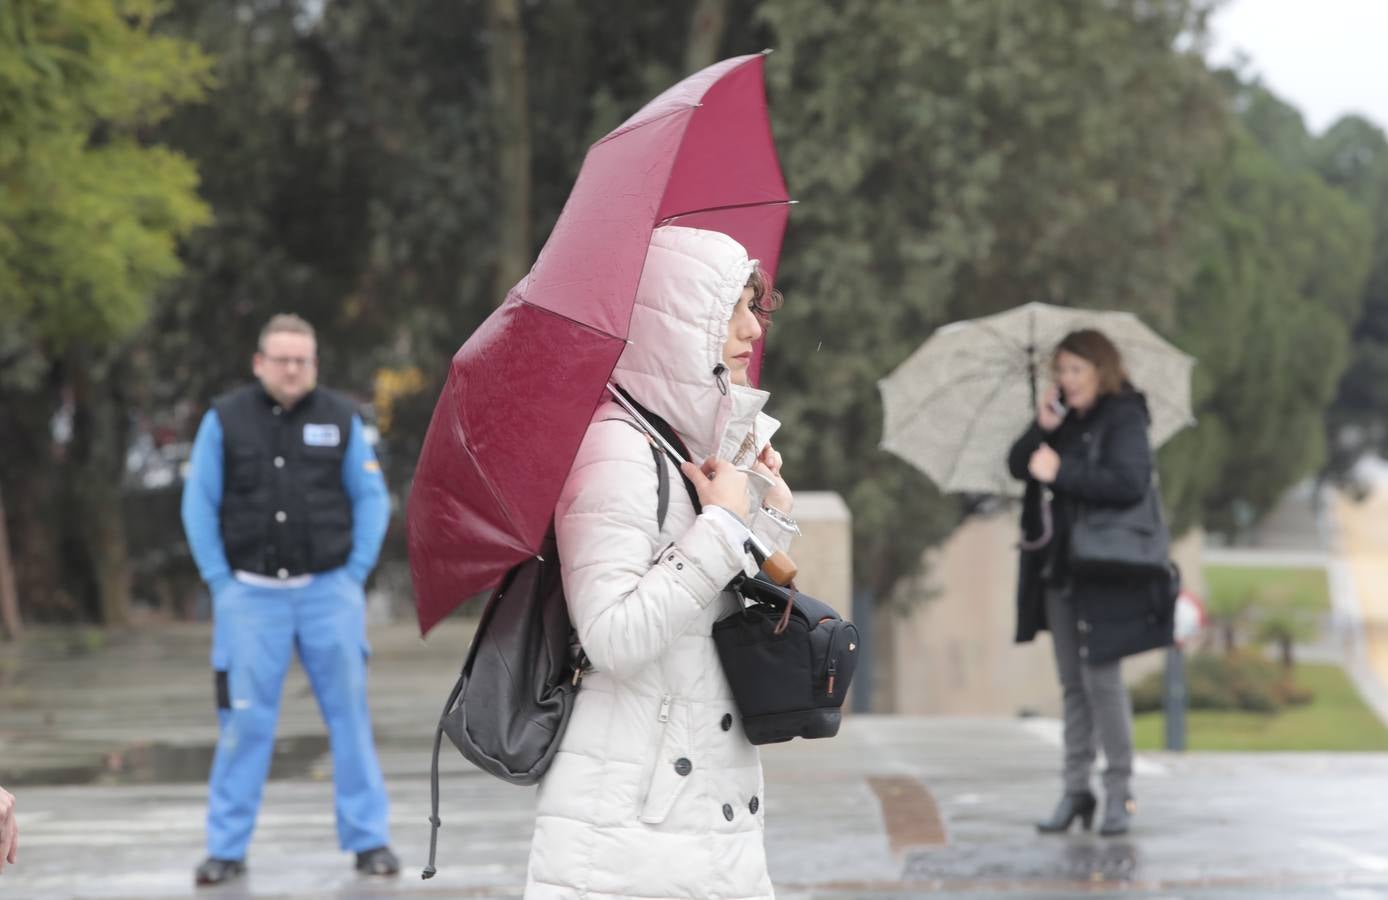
[{"x": 202, "y": 503}]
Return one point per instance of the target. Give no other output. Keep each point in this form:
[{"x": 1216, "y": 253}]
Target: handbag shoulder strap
[{"x": 1098, "y": 434}]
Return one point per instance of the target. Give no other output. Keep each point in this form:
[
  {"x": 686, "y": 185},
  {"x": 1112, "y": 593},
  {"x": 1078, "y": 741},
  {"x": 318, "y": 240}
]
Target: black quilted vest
[{"x": 285, "y": 510}]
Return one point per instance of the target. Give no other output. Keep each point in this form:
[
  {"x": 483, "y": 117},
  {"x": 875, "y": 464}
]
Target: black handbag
[
  {"x": 1120, "y": 541},
  {"x": 789, "y": 660}
]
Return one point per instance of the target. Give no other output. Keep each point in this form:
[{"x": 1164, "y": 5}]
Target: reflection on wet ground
[
  {"x": 160, "y": 763},
  {"x": 1062, "y": 860}
]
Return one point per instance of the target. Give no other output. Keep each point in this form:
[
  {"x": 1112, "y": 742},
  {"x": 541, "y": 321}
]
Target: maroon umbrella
[{"x": 521, "y": 391}]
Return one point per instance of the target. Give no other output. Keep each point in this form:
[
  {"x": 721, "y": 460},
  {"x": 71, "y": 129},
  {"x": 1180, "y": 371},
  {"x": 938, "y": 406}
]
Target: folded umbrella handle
[
  {"x": 1047, "y": 526},
  {"x": 780, "y": 568},
  {"x": 777, "y": 564}
]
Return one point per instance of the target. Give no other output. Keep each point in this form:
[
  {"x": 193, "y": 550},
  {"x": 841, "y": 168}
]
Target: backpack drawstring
[{"x": 434, "y": 823}]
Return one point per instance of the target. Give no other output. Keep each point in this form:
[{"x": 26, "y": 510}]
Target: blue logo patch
[{"x": 322, "y": 435}]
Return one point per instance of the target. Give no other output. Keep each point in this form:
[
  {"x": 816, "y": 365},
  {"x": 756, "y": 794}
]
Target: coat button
[
  {"x": 280, "y": 516},
  {"x": 727, "y": 722},
  {"x": 1083, "y": 626},
  {"x": 277, "y": 410},
  {"x": 754, "y": 805},
  {"x": 683, "y": 766},
  {"x": 1084, "y": 652},
  {"x": 728, "y": 811},
  {"x": 279, "y": 462},
  {"x": 283, "y": 573}
]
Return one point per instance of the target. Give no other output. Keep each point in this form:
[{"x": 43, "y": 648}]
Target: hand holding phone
[{"x": 1050, "y": 412}]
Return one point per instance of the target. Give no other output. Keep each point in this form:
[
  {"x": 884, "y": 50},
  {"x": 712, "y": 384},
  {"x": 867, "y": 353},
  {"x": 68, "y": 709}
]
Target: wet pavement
[{"x": 103, "y": 748}]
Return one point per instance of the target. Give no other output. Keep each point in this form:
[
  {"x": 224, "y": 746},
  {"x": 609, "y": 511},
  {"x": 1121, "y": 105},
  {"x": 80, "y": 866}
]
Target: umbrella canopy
[
  {"x": 522, "y": 389},
  {"x": 955, "y": 406}
]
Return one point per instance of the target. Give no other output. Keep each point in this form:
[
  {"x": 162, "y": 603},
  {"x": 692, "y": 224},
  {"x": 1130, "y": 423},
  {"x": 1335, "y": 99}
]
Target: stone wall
[{"x": 953, "y": 653}]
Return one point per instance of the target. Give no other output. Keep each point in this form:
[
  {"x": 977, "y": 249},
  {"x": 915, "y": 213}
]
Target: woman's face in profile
[
  {"x": 743, "y": 332},
  {"x": 1078, "y": 379}
]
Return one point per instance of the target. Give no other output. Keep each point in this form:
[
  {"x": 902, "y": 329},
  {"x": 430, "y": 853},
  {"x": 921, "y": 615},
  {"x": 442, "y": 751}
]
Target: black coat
[{"x": 1118, "y": 616}]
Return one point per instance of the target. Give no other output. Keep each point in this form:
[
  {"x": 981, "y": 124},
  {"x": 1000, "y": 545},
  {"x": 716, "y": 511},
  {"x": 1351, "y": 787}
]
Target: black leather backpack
[{"x": 511, "y": 704}]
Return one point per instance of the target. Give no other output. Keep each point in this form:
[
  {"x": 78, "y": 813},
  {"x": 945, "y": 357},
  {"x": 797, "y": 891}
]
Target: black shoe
[
  {"x": 1118, "y": 814},
  {"x": 1071, "y": 807},
  {"x": 379, "y": 861},
  {"x": 218, "y": 871}
]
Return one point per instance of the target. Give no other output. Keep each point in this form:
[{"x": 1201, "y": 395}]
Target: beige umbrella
[{"x": 955, "y": 406}]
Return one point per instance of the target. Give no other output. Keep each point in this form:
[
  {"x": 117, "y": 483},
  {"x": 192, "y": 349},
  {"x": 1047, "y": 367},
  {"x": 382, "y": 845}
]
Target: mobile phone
[{"x": 1058, "y": 404}]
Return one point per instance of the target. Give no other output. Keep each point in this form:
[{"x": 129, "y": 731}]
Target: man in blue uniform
[{"x": 285, "y": 509}]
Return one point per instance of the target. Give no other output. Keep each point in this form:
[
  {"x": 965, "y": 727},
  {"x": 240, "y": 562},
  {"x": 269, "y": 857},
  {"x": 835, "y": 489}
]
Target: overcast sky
[{"x": 1328, "y": 58}]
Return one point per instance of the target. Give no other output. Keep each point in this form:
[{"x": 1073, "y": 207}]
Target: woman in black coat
[{"x": 1088, "y": 446}]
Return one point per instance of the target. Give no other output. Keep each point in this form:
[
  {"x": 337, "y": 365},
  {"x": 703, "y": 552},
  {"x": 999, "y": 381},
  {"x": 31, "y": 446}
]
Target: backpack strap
[
  {"x": 662, "y": 487},
  {"x": 434, "y": 822},
  {"x": 663, "y": 428},
  {"x": 662, "y": 484}
]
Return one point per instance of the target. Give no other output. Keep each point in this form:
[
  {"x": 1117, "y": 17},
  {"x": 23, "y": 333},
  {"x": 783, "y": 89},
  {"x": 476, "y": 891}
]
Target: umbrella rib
[
  {"x": 639, "y": 125},
  {"x": 1002, "y": 338},
  {"x": 677, "y": 110},
  {"x": 497, "y": 500},
  {"x": 968, "y": 431},
  {"x": 962, "y": 380},
  {"x": 558, "y": 315},
  {"x": 694, "y": 212}
]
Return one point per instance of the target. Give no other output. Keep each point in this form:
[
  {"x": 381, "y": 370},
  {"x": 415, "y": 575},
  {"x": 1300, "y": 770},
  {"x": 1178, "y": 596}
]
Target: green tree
[
  {"x": 90, "y": 218},
  {"x": 1353, "y": 156},
  {"x": 954, "y": 159},
  {"x": 360, "y": 158},
  {"x": 1286, "y": 619},
  {"x": 1282, "y": 262}
]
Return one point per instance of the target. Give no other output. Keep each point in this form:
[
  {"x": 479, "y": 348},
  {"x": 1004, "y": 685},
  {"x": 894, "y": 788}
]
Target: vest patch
[{"x": 322, "y": 435}]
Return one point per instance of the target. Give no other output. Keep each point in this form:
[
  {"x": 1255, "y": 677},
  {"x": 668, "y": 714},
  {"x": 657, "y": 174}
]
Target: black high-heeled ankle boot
[
  {"x": 1118, "y": 814},
  {"x": 1071, "y": 807}
]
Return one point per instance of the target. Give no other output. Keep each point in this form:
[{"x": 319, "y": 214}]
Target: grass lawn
[
  {"x": 1336, "y": 720},
  {"x": 1236, "y": 582}
]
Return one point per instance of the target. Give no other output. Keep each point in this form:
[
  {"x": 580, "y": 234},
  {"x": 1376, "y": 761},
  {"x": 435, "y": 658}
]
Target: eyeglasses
[{"x": 285, "y": 362}]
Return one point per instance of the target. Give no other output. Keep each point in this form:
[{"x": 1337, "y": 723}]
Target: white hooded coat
[{"x": 655, "y": 791}]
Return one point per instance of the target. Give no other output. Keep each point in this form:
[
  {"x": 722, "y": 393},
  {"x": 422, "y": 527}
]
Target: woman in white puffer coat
[{"x": 655, "y": 791}]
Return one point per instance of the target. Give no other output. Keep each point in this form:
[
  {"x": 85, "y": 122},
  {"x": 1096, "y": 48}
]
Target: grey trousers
[{"x": 1098, "y": 710}]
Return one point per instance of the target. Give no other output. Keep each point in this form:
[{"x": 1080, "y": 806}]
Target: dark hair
[
  {"x": 764, "y": 301},
  {"x": 1095, "y": 347}
]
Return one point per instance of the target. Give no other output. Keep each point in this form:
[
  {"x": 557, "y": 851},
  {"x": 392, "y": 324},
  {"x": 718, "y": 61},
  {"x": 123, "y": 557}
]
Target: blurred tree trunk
[
  {"x": 9, "y": 597},
  {"x": 706, "y": 27},
  {"x": 29, "y": 472},
  {"x": 98, "y": 463},
  {"x": 510, "y": 107}
]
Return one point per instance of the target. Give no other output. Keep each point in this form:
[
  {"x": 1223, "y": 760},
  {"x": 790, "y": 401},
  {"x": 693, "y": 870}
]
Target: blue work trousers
[{"x": 255, "y": 633}]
